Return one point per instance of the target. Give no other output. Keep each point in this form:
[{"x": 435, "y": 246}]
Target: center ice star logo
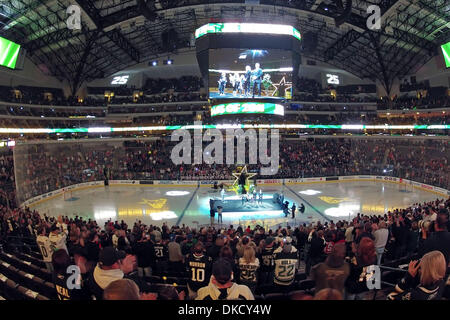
[
  {"x": 333, "y": 200},
  {"x": 155, "y": 204}
]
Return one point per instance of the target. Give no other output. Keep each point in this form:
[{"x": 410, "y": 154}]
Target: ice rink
[{"x": 190, "y": 205}]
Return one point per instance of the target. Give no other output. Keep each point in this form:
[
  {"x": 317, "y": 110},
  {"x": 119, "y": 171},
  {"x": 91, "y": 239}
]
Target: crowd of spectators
[
  {"x": 412, "y": 103},
  {"x": 42, "y": 168},
  {"x": 120, "y": 262},
  {"x": 183, "y": 84},
  {"x": 7, "y": 182},
  {"x": 188, "y": 88}
]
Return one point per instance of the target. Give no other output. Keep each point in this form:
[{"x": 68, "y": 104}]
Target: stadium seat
[
  {"x": 37, "y": 262},
  {"x": 306, "y": 285},
  {"x": 27, "y": 267},
  {"x": 266, "y": 289},
  {"x": 36, "y": 255},
  {"x": 7, "y": 269},
  {"x": 300, "y": 276},
  {"x": 28, "y": 294},
  {"x": 37, "y": 284},
  {"x": 295, "y": 293},
  {"x": 8, "y": 288}
]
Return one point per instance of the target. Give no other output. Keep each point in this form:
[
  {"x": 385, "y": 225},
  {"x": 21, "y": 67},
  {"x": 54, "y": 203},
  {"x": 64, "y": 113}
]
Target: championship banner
[{"x": 246, "y": 108}]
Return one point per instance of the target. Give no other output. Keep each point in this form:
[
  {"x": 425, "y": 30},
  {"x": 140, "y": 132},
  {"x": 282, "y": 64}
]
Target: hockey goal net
[{"x": 67, "y": 195}]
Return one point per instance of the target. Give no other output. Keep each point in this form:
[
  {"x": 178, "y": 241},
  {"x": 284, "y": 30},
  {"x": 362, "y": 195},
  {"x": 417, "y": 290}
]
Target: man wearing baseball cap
[
  {"x": 222, "y": 287},
  {"x": 113, "y": 265},
  {"x": 286, "y": 264}
]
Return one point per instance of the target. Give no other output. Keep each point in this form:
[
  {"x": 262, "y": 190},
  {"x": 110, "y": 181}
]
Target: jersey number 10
[{"x": 198, "y": 275}]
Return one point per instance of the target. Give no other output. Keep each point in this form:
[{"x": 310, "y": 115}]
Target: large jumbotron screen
[
  {"x": 250, "y": 74},
  {"x": 9, "y": 52}
]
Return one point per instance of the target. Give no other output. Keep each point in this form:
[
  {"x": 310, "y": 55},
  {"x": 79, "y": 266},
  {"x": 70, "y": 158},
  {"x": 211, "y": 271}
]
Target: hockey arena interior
[{"x": 224, "y": 150}]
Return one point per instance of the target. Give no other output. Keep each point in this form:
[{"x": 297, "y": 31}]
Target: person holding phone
[{"x": 425, "y": 279}]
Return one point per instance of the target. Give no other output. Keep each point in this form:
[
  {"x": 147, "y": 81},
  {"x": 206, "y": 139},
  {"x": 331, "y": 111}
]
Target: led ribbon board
[
  {"x": 356, "y": 127},
  {"x": 9, "y": 51},
  {"x": 245, "y": 108},
  {"x": 257, "y": 28},
  {"x": 446, "y": 52}
]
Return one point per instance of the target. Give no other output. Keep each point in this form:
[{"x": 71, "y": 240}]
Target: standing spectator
[
  {"x": 248, "y": 267},
  {"x": 412, "y": 239},
  {"x": 333, "y": 272},
  {"x": 113, "y": 265},
  {"x": 316, "y": 253},
  {"x": 57, "y": 239},
  {"x": 244, "y": 243},
  {"x": 286, "y": 264},
  {"x": 92, "y": 248},
  {"x": 161, "y": 256},
  {"x": 199, "y": 267},
  {"x": 440, "y": 238},
  {"x": 176, "y": 258},
  {"x": 61, "y": 278},
  {"x": 366, "y": 233},
  {"x": 145, "y": 253},
  {"x": 212, "y": 214},
  {"x": 221, "y": 286},
  {"x": 400, "y": 234},
  {"x": 365, "y": 256},
  {"x": 219, "y": 214},
  {"x": 45, "y": 247},
  {"x": 302, "y": 236},
  {"x": 214, "y": 250},
  {"x": 349, "y": 238},
  {"x": 267, "y": 263},
  {"x": 381, "y": 237}
]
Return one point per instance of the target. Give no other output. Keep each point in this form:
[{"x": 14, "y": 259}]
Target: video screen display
[
  {"x": 446, "y": 52},
  {"x": 9, "y": 52},
  {"x": 250, "y": 74}
]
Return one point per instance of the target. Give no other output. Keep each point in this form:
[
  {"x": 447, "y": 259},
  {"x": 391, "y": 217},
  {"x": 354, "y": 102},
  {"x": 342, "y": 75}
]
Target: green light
[
  {"x": 9, "y": 51},
  {"x": 257, "y": 28},
  {"x": 247, "y": 107},
  {"x": 446, "y": 52},
  {"x": 344, "y": 127}
]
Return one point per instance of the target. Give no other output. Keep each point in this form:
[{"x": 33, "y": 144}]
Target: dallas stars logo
[
  {"x": 287, "y": 86},
  {"x": 155, "y": 204},
  {"x": 333, "y": 200},
  {"x": 237, "y": 175}
]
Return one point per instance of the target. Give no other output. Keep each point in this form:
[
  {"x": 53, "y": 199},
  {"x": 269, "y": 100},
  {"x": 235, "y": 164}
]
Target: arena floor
[{"x": 190, "y": 205}]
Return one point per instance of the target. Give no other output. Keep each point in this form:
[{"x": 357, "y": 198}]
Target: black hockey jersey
[
  {"x": 266, "y": 259},
  {"x": 199, "y": 268},
  {"x": 161, "y": 252},
  {"x": 285, "y": 266}
]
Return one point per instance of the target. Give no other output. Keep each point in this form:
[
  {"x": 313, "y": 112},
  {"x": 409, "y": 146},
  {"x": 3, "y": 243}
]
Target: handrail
[{"x": 393, "y": 269}]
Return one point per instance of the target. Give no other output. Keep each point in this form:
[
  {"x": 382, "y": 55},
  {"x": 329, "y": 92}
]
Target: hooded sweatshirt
[{"x": 235, "y": 292}]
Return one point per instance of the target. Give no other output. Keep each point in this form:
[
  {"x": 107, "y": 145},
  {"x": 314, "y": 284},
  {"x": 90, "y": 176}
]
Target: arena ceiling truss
[{"x": 117, "y": 34}]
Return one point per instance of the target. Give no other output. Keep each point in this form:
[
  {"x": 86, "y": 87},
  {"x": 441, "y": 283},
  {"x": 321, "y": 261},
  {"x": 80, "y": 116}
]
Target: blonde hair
[
  {"x": 123, "y": 289},
  {"x": 432, "y": 267},
  {"x": 249, "y": 254}
]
